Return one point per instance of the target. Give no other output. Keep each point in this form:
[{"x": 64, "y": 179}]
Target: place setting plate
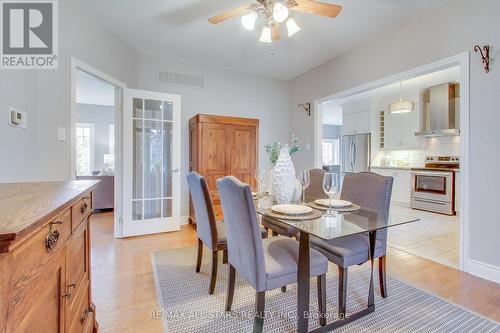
[
  {"x": 337, "y": 205},
  {"x": 293, "y": 212}
]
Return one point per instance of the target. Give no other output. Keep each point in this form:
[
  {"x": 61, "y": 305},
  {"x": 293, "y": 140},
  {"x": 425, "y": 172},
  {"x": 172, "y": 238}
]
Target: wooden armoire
[{"x": 222, "y": 146}]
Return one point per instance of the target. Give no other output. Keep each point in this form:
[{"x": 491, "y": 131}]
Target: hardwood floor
[{"x": 124, "y": 290}]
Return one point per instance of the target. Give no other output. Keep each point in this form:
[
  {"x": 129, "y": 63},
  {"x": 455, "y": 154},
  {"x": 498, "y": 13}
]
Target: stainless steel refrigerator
[{"x": 356, "y": 151}]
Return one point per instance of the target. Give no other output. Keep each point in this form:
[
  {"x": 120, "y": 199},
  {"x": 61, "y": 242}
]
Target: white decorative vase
[{"x": 284, "y": 183}]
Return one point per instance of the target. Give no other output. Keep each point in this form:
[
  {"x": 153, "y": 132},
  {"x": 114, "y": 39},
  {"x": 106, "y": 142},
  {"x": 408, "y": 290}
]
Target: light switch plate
[
  {"x": 23, "y": 123},
  {"x": 308, "y": 146},
  {"x": 61, "y": 133}
]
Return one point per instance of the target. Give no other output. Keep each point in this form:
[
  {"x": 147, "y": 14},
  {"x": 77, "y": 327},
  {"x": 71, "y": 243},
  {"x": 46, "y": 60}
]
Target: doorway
[{"x": 396, "y": 149}]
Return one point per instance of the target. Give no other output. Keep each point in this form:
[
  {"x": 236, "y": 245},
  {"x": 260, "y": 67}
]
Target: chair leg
[
  {"x": 260, "y": 302},
  {"x": 283, "y": 289},
  {"x": 322, "y": 299},
  {"x": 230, "y": 287},
  {"x": 381, "y": 276},
  {"x": 342, "y": 291},
  {"x": 224, "y": 257},
  {"x": 213, "y": 277},
  {"x": 200, "y": 255}
]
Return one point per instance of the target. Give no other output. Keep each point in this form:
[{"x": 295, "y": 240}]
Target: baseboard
[
  {"x": 184, "y": 220},
  {"x": 483, "y": 270}
]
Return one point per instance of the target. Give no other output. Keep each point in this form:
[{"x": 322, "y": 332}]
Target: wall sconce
[
  {"x": 306, "y": 107},
  {"x": 485, "y": 57}
]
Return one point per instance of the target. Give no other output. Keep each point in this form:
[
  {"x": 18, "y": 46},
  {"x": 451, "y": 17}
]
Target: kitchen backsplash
[{"x": 448, "y": 145}]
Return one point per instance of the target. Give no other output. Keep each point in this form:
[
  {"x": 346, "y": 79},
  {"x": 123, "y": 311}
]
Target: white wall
[
  {"x": 451, "y": 29},
  {"x": 101, "y": 116},
  {"x": 227, "y": 93},
  {"x": 36, "y": 153}
]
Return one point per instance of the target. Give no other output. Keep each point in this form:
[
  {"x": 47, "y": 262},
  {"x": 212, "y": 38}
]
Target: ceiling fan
[{"x": 275, "y": 12}]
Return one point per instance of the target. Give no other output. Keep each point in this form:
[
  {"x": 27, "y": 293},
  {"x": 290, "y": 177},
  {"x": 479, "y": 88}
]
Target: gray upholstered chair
[
  {"x": 266, "y": 264},
  {"x": 373, "y": 193},
  {"x": 210, "y": 232},
  {"x": 313, "y": 191}
]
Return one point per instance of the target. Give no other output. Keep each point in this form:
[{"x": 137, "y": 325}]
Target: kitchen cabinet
[
  {"x": 356, "y": 122},
  {"x": 399, "y": 131},
  {"x": 401, "y": 189}
]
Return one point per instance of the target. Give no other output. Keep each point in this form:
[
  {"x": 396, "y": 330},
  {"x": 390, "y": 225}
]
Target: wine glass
[
  {"x": 330, "y": 187},
  {"x": 305, "y": 181},
  {"x": 262, "y": 177}
]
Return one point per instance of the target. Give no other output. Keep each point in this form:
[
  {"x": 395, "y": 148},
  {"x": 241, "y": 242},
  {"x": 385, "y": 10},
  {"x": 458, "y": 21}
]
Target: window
[
  {"x": 85, "y": 146},
  {"x": 331, "y": 151}
]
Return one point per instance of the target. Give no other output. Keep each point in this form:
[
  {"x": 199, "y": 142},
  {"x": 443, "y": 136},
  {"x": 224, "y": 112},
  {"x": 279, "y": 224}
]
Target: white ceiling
[
  {"x": 179, "y": 28},
  {"x": 91, "y": 90}
]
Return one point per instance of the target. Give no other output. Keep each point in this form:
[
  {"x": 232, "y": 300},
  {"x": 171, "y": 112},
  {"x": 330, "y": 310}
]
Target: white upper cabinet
[
  {"x": 357, "y": 122},
  {"x": 399, "y": 131}
]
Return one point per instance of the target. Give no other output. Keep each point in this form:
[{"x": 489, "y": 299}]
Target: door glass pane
[
  {"x": 152, "y": 209},
  {"x": 167, "y": 208},
  {"x": 137, "y": 160},
  {"x": 153, "y": 155},
  {"x": 152, "y": 109},
  {"x": 136, "y": 210},
  {"x": 138, "y": 106},
  {"x": 167, "y": 110},
  {"x": 167, "y": 159},
  {"x": 432, "y": 184}
]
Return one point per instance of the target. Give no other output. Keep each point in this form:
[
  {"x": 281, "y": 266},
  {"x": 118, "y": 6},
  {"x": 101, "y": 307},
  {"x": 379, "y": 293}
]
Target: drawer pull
[
  {"x": 52, "y": 237},
  {"x": 84, "y": 207},
  {"x": 70, "y": 287},
  {"x": 85, "y": 314}
]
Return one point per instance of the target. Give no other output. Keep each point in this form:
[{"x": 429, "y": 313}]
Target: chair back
[
  {"x": 203, "y": 209},
  {"x": 244, "y": 240},
  {"x": 315, "y": 189},
  {"x": 372, "y": 192}
]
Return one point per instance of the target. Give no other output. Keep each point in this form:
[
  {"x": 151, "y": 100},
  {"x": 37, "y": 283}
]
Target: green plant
[{"x": 273, "y": 149}]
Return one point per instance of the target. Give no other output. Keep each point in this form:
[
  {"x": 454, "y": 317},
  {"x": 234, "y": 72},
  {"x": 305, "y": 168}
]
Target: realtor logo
[{"x": 29, "y": 34}]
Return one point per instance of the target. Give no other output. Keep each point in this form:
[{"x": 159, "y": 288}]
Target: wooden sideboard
[
  {"x": 221, "y": 146},
  {"x": 45, "y": 257}
]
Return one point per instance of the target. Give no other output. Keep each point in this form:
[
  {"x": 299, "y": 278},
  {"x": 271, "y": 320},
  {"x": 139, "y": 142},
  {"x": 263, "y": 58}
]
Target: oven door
[{"x": 435, "y": 186}]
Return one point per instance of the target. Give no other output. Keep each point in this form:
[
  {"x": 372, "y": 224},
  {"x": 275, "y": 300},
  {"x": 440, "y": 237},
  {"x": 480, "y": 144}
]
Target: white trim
[
  {"x": 484, "y": 270},
  {"x": 76, "y": 65},
  {"x": 462, "y": 60}
]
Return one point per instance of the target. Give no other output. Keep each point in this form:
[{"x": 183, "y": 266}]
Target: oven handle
[{"x": 437, "y": 174}]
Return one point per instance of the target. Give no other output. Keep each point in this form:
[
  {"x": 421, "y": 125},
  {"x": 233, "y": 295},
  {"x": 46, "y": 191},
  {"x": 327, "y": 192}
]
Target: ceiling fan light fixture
[
  {"x": 248, "y": 20},
  {"x": 266, "y": 35},
  {"x": 280, "y": 12},
  {"x": 292, "y": 27}
]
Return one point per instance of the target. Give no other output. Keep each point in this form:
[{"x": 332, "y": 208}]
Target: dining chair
[
  {"x": 373, "y": 193},
  {"x": 314, "y": 190},
  {"x": 266, "y": 264},
  {"x": 210, "y": 232}
]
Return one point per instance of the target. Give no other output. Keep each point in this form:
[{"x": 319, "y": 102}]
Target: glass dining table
[{"x": 342, "y": 224}]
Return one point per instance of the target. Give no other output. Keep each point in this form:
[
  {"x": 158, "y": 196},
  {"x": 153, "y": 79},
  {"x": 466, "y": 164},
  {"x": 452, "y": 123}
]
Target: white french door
[{"x": 151, "y": 162}]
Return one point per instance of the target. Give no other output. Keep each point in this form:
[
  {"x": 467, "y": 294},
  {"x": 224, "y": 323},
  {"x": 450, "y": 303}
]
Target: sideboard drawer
[
  {"x": 81, "y": 210},
  {"x": 38, "y": 251}
]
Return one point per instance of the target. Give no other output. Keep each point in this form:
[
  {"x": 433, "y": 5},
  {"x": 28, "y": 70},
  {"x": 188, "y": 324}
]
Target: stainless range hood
[{"x": 440, "y": 113}]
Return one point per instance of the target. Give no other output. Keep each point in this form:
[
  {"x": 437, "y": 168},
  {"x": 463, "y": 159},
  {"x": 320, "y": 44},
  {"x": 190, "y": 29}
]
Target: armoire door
[
  {"x": 243, "y": 143},
  {"x": 215, "y": 153}
]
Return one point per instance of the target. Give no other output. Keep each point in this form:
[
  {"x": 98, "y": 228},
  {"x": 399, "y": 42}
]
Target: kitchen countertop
[{"x": 390, "y": 168}]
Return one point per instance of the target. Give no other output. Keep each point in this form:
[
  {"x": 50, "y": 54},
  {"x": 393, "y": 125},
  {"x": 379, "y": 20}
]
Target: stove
[{"x": 433, "y": 186}]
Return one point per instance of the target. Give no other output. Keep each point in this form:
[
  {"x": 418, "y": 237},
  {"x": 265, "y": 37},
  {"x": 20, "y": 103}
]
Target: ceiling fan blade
[
  {"x": 317, "y": 8},
  {"x": 275, "y": 31},
  {"x": 230, "y": 14}
]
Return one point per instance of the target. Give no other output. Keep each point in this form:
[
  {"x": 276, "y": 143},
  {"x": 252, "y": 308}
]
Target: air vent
[{"x": 181, "y": 79}]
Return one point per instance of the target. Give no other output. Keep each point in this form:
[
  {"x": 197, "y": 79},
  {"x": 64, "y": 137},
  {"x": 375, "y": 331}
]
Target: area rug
[{"x": 186, "y": 306}]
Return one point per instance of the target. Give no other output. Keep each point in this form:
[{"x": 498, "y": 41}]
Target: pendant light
[{"x": 401, "y": 106}]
